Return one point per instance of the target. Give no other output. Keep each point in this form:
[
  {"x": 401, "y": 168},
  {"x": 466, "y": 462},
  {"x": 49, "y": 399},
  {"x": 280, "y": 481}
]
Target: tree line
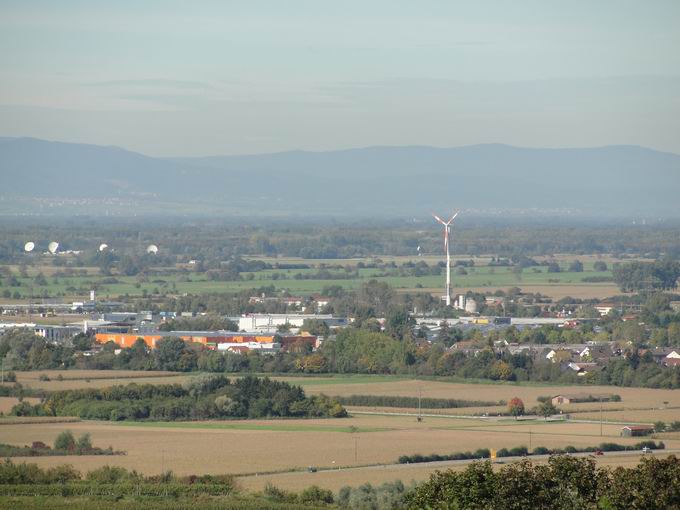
[
  {"x": 201, "y": 398},
  {"x": 523, "y": 451}
]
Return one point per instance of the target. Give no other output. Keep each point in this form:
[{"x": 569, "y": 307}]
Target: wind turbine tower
[{"x": 447, "y": 231}]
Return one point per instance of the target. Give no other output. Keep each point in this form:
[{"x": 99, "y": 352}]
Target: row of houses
[{"x": 580, "y": 358}]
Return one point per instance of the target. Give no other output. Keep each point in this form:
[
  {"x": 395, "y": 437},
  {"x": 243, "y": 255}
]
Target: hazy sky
[{"x": 225, "y": 77}]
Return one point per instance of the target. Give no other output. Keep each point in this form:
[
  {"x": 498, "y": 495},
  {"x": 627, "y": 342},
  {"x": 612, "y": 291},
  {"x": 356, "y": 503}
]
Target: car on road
[{"x": 646, "y": 449}]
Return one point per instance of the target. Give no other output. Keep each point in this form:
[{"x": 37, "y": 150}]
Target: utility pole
[
  {"x": 30, "y": 303},
  {"x": 601, "y": 416},
  {"x": 420, "y": 409}
]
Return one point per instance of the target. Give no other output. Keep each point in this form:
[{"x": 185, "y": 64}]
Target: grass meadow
[{"x": 481, "y": 277}]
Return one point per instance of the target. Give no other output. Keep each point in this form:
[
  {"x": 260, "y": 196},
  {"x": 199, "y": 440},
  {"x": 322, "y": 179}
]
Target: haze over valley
[{"x": 492, "y": 179}]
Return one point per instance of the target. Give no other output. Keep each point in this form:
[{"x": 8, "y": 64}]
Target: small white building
[{"x": 239, "y": 347}]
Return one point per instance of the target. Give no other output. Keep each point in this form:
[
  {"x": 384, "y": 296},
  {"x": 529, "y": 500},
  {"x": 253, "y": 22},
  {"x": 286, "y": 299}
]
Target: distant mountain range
[{"x": 382, "y": 181}]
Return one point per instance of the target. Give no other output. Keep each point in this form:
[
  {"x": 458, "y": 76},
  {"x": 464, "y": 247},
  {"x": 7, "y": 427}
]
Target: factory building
[
  {"x": 270, "y": 322},
  {"x": 215, "y": 340}
]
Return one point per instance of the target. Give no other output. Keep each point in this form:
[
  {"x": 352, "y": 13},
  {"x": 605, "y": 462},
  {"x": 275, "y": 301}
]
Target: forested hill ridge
[{"x": 612, "y": 180}]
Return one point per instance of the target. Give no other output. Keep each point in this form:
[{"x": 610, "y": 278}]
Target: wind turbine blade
[
  {"x": 454, "y": 216},
  {"x": 439, "y": 219}
]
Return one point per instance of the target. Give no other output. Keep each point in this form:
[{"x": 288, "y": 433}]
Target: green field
[
  {"x": 174, "y": 282},
  {"x": 276, "y": 426}
]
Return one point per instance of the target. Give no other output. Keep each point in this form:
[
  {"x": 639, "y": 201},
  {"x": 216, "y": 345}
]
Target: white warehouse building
[{"x": 269, "y": 322}]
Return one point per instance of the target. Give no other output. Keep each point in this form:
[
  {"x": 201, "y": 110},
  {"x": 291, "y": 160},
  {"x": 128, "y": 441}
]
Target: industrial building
[
  {"x": 51, "y": 333},
  {"x": 215, "y": 340},
  {"x": 271, "y": 321}
]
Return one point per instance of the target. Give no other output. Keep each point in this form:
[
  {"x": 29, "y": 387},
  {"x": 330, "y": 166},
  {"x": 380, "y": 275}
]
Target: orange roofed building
[{"x": 209, "y": 339}]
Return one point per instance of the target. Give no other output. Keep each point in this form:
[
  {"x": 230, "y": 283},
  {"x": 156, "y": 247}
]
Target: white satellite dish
[
  {"x": 152, "y": 248},
  {"x": 103, "y": 246},
  {"x": 53, "y": 247},
  {"x": 29, "y": 246}
]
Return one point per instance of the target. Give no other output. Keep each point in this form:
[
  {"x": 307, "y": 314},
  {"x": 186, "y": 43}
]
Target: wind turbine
[{"x": 447, "y": 230}]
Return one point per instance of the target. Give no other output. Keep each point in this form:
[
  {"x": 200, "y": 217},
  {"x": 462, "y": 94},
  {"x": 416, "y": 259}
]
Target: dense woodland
[{"x": 202, "y": 398}]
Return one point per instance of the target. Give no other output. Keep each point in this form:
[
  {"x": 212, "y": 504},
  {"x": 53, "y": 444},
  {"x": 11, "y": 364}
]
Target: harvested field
[
  {"x": 72, "y": 379},
  {"x": 637, "y": 405},
  {"x": 634, "y": 415},
  {"x": 285, "y": 448},
  {"x": 631, "y": 397},
  {"x": 7, "y": 403},
  {"x": 69, "y": 375},
  {"x": 260, "y": 446},
  {"x": 37, "y": 420},
  {"x": 407, "y": 473}
]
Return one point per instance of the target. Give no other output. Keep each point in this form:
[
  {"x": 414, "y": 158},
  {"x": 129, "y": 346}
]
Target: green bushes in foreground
[
  {"x": 565, "y": 483},
  {"x": 62, "y": 487},
  {"x": 520, "y": 451},
  {"x": 150, "y": 503},
  {"x": 65, "y": 444},
  {"x": 107, "y": 478}
]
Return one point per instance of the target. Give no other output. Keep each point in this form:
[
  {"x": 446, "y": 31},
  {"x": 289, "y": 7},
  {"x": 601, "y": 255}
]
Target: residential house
[
  {"x": 604, "y": 308},
  {"x": 584, "y": 368},
  {"x": 636, "y": 430},
  {"x": 672, "y": 362},
  {"x": 579, "y": 398}
]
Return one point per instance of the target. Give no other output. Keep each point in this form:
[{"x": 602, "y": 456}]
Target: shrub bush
[{"x": 65, "y": 441}]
